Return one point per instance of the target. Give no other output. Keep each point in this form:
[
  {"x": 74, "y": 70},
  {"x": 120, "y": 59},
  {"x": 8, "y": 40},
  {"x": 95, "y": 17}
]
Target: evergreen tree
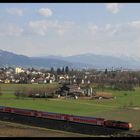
[
  {"x": 52, "y": 70},
  {"x": 63, "y": 70},
  {"x": 58, "y": 71},
  {"x": 106, "y": 71},
  {"x": 66, "y": 69}
]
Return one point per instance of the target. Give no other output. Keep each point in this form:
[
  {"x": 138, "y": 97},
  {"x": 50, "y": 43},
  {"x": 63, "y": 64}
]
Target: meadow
[{"x": 125, "y": 107}]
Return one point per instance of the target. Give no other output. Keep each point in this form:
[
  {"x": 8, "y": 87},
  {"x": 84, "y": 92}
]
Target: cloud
[
  {"x": 113, "y": 7},
  {"x": 10, "y": 30},
  {"x": 112, "y": 39},
  {"x": 14, "y": 30},
  {"x": 94, "y": 28},
  {"x": 42, "y": 27},
  {"x": 62, "y": 28},
  {"x": 135, "y": 24},
  {"x": 15, "y": 11},
  {"x": 107, "y": 29},
  {"x": 45, "y": 12},
  {"x": 115, "y": 39}
]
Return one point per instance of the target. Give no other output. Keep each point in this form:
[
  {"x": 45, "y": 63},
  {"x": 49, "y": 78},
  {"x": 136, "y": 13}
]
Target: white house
[{"x": 18, "y": 70}]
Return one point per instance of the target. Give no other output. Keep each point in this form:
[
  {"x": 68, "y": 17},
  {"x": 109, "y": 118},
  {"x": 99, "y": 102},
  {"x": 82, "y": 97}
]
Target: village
[{"x": 72, "y": 84}]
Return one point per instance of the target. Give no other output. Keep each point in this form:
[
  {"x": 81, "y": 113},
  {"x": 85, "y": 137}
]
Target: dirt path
[{"x": 17, "y": 130}]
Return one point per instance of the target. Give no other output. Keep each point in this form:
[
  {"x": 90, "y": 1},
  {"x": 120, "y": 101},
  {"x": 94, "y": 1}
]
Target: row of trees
[
  {"x": 116, "y": 79},
  {"x": 43, "y": 92},
  {"x": 116, "y": 86},
  {"x": 59, "y": 71}
]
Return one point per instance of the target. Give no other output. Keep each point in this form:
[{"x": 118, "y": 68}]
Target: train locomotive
[{"x": 71, "y": 118}]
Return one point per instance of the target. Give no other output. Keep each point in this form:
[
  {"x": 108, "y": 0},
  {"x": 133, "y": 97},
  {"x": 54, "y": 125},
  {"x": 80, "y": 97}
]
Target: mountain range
[{"x": 76, "y": 61}]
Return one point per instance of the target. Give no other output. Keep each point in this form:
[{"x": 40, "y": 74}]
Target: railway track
[
  {"x": 66, "y": 125},
  {"x": 131, "y": 133}
]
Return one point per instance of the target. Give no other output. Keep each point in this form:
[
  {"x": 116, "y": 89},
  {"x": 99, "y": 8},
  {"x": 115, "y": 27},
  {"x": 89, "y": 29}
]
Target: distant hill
[
  {"x": 76, "y": 61},
  {"x": 11, "y": 59},
  {"x": 102, "y": 61},
  {"x": 49, "y": 62}
]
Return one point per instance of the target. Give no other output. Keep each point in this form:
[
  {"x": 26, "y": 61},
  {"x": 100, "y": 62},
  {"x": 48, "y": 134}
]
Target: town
[
  {"x": 60, "y": 75},
  {"x": 44, "y": 76},
  {"x": 73, "y": 82}
]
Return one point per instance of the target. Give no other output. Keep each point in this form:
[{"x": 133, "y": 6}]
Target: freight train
[{"x": 71, "y": 118}]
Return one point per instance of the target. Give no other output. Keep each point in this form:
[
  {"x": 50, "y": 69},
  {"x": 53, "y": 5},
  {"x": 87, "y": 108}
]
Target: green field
[{"x": 125, "y": 107}]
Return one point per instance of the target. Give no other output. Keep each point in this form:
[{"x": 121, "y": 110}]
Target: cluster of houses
[
  {"x": 74, "y": 90},
  {"x": 32, "y": 76},
  {"x": 71, "y": 83},
  {"x": 20, "y": 75}
]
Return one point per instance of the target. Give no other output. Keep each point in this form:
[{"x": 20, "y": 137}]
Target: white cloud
[
  {"x": 93, "y": 28},
  {"x": 113, "y": 7},
  {"x": 107, "y": 29},
  {"x": 14, "y": 30},
  {"x": 42, "y": 27},
  {"x": 45, "y": 12},
  {"x": 61, "y": 31},
  {"x": 112, "y": 39},
  {"x": 15, "y": 11},
  {"x": 115, "y": 39},
  {"x": 61, "y": 28},
  {"x": 38, "y": 27},
  {"x": 10, "y": 30},
  {"x": 135, "y": 24}
]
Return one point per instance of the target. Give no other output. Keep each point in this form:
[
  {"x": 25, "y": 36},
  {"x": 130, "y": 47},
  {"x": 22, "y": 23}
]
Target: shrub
[
  {"x": 0, "y": 92},
  {"x": 21, "y": 92}
]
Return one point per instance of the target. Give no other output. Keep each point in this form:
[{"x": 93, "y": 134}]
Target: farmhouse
[
  {"x": 67, "y": 90},
  {"x": 74, "y": 90}
]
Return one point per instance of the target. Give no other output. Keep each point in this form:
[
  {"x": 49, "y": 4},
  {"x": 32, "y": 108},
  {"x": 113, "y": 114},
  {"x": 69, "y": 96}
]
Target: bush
[
  {"x": 0, "y": 92},
  {"x": 36, "y": 92},
  {"x": 131, "y": 103},
  {"x": 21, "y": 92},
  {"x": 124, "y": 86},
  {"x": 125, "y": 94}
]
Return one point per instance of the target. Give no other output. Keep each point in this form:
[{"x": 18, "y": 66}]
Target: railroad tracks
[{"x": 132, "y": 133}]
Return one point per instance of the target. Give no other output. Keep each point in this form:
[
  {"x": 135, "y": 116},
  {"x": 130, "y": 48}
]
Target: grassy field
[
  {"x": 8, "y": 129},
  {"x": 125, "y": 107}
]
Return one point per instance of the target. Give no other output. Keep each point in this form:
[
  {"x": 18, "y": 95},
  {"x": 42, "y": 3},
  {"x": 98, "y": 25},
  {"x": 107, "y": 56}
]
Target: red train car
[
  {"x": 49, "y": 115},
  {"x": 118, "y": 124},
  {"x": 2, "y": 108},
  {"x": 71, "y": 118},
  {"x": 87, "y": 120},
  {"x": 18, "y": 111},
  {"x": 25, "y": 112},
  {"x": 7, "y": 109}
]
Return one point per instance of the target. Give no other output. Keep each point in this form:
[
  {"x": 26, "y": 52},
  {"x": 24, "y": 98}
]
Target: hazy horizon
[{"x": 61, "y": 29}]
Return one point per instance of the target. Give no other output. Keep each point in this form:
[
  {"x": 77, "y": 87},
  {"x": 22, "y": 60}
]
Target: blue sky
[{"x": 42, "y": 29}]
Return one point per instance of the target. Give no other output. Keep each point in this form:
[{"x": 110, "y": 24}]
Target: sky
[{"x": 65, "y": 29}]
